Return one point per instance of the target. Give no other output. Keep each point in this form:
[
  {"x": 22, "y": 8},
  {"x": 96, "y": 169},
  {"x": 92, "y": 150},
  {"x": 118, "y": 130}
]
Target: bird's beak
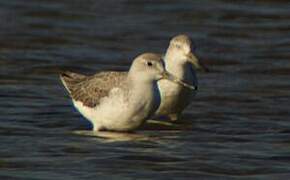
[
  {"x": 196, "y": 63},
  {"x": 170, "y": 77}
]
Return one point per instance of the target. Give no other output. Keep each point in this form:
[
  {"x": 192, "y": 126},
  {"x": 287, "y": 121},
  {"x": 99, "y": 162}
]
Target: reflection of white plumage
[
  {"x": 178, "y": 62},
  {"x": 118, "y": 101}
]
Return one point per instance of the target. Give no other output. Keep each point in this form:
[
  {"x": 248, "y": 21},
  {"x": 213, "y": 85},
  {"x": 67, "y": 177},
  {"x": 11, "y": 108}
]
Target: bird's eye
[
  {"x": 149, "y": 63},
  {"x": 178, "y": 46}
]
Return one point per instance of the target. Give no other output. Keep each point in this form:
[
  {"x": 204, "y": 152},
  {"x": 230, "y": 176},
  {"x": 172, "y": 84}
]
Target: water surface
[{"x": 239, "y": 128}]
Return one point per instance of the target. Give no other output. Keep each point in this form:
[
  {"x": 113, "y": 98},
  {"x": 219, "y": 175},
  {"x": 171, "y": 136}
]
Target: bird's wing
[{"x": 90, "y": 89}]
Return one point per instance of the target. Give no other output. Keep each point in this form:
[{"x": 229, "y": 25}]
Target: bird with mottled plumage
[
  {"x": 118, "y": 101},
  {"x": 181, "y": 63}
]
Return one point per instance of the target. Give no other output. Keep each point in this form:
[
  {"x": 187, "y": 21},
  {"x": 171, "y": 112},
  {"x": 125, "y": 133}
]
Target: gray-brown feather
[{"x": 90, "y": 89}]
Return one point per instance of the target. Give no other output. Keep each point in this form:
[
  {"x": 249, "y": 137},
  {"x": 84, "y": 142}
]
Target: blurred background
[{"x": 240, "y": 117}]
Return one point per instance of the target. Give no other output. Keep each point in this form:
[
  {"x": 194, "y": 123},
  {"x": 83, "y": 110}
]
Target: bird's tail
[{"x": 69, "y": 79}]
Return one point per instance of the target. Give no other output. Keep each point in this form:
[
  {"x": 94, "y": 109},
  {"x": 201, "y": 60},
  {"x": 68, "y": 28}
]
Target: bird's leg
[{"x": 173, "y": 117}]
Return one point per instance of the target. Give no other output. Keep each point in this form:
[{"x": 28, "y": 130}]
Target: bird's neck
[
  {"x": 140, "y": 87},
  {"x": 176, "y": 67}
]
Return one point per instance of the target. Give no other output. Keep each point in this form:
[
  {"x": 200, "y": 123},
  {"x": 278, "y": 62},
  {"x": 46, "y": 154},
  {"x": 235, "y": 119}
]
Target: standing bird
[
  {"x": 118, "y": 101},
  {"x": 179, "y": 61}
]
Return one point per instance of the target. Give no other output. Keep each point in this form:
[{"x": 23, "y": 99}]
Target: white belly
[
  {"x": 174, "y": 97},
  {"x": 117, "y": 112}
]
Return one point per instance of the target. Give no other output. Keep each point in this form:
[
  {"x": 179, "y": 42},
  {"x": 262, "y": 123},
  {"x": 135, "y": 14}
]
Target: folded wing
[{"x": 90, "y": 89}]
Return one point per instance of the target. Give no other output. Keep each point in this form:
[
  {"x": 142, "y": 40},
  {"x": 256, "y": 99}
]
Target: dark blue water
[{"x": 239, "y": 121}]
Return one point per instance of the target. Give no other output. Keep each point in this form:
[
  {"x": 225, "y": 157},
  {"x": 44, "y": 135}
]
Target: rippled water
[{"x": 240, "y": 125}]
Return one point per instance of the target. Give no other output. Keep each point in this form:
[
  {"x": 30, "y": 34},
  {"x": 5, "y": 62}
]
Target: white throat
[{"x": 175, "y": 65}]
